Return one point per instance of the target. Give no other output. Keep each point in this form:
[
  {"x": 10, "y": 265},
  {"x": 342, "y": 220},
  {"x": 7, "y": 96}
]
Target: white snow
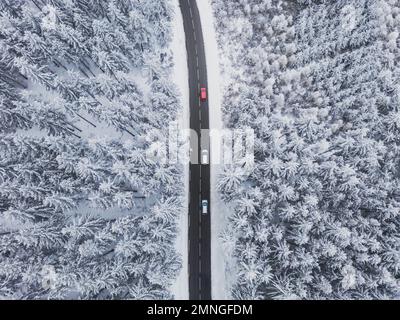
[
  {"x": 180, "y": 289},
  {"x": 102, "y": 129},
  {"x": 220, "y": 212},
  {"x": 84, "y": 209},
  {"x": 137, "y": 75}
]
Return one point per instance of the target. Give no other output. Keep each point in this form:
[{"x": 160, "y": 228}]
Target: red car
[{"x": 203, "y": 94}]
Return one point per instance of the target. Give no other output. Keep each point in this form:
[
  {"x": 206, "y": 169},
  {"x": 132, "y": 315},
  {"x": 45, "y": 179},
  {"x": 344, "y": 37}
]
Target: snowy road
[{"x": 199, "y": 225}]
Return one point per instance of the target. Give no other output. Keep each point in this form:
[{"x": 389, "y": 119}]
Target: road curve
[{"x": 199, "y": 186}]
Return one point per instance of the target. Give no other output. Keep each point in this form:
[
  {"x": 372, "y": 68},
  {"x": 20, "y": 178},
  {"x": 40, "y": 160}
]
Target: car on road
[
  {"x": 203, "y": 94},
  {"x": 204, "y": 156},
  {"x": 204, "y": 206}
]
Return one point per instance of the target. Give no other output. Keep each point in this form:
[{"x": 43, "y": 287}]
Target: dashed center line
[
  {"x": 199, "y": 267},
  {"x": 200, "y": 231},
  {"x": 200, "y": 284}
]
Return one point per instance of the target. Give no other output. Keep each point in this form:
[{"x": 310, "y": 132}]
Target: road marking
[
  {"x": 200, "y": 265},
  {"x": 200, "y": 285},
  {"x": 198, "y": 74}
]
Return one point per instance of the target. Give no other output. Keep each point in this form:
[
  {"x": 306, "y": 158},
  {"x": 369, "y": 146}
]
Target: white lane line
[
  {"x": 198, "y": 74},
  {"x": 200, "y": 230},
  {"x": 200, "y": 285},
  {"x": 200, "y": 184},
  {"x": 200, "y": 265}
]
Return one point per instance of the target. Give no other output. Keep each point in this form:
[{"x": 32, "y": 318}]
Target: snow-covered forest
[
  {"x": 85, "y": 88},
  {"x": 318, "y": 217}
]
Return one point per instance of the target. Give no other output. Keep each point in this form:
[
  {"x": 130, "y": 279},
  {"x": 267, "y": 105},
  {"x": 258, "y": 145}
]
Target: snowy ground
[
  {"x": 219, "y": 263},
  {"x": 93, "y": 130},
  {"x": 181, "y": 287}
]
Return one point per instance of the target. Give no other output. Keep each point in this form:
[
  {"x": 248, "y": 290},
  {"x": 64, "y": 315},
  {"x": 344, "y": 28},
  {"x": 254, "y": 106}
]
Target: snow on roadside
[
  {"x": 219, "y": 211},
  {"x": 180, "y": 289}
]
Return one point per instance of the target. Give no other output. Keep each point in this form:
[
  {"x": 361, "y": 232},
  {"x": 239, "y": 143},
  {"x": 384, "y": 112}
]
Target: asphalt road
[{"x": 199, "y": 186}]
